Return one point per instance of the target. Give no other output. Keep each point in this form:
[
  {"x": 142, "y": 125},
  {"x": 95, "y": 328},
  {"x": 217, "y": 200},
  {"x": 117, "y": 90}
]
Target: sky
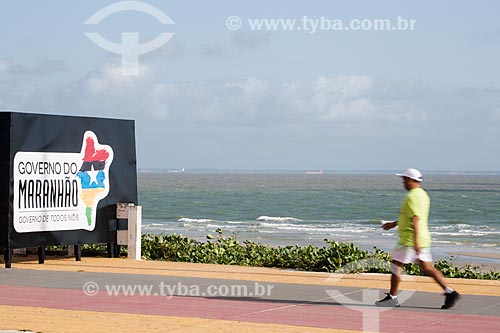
[{"x": 223, "y": 93}]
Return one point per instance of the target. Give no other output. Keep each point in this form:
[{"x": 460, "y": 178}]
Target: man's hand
[{"x": 389, "y": 225}]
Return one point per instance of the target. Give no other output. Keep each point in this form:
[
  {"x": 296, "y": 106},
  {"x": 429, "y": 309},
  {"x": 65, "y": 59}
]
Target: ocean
[{"x": 303, "y": 209}]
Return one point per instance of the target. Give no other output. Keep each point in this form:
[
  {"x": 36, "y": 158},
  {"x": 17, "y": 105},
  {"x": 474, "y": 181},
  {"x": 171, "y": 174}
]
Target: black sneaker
[
  {"x": 450, "y": 300},
  {"x": 388, "y": 302}
]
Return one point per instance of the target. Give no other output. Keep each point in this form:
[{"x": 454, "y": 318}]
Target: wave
[
  {"x": 277, "y": 219},
  {"x": 276, "y": 225},
  {"x": 453, "y": 226},
  {"x": 221, "y": 226},
  {"x": 315, "y": 229},
  {"x": 468, "y": 233},
  {"x": 189, "y": 220},
  {"x": 238, "y": 222},
  {"x": 464, "y": 230},
  {"x": 290, "y": 228}
]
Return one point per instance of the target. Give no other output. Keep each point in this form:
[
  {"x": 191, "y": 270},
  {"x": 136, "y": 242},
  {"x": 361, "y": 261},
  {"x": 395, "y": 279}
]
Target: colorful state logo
[
  {"x": 60, "y": 191},
  {"x": 94, "y": 174}
]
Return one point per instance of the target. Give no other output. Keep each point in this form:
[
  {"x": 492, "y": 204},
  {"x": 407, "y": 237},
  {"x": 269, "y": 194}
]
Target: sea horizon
[{"x": 313, "y": 171}]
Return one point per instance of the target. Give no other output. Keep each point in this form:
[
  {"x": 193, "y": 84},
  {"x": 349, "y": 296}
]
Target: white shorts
[{"x": 407, "y": 254}]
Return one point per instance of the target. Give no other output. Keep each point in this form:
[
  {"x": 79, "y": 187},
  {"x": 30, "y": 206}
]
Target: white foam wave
[
  {"x": 276, "y": 225},
  {"x": 451, "y": 226},
  {"x": 317, "y": 229},
  {"x": 468, "y": 233},
  {"x": 237, "y": 222},
  {"x": 189, "y": 220},
  {"x": 220, "y": 226},
  {"x": 160, "y": 227},
  {"x": 488, "y": 245},
  {"x": 146, "y": 227},
  {"x": 464, "y": 230},
  {"x": 278, "y": 219}
]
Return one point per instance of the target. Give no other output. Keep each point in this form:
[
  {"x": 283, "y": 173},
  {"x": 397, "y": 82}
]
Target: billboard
[
  {"x": 60, "y": 191},
  {"x": 62, "y": 177}
]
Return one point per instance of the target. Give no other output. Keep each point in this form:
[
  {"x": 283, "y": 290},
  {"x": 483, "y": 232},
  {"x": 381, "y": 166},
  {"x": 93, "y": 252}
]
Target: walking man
[{"x": 414, "y": 241}]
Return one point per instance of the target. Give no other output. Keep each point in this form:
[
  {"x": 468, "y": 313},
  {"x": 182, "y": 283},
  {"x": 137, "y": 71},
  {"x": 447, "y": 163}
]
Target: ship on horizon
[{"x": 313, "y": 172}]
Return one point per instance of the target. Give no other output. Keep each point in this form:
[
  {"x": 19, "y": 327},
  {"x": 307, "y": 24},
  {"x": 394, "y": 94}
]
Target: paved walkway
[{"x": 102, "y": 294}]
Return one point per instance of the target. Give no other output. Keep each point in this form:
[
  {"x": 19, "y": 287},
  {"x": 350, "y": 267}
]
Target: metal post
[
  {"x": 7, "y": 255},
  {"x": 110, "y": 248},
  {"x": 41, "y": 254},
  {"x": 78, "y": 252}
]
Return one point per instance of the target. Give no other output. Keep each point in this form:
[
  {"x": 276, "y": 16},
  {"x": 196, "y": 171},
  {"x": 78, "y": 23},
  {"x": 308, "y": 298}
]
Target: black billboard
[{"x": 61, "y": 178}]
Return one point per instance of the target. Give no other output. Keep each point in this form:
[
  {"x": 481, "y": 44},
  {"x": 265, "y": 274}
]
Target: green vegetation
[{"x": 333, "y": 257}]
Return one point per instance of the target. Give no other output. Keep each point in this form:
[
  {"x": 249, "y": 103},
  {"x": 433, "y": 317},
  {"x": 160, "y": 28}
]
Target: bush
[{"x": 333, "y": 257}]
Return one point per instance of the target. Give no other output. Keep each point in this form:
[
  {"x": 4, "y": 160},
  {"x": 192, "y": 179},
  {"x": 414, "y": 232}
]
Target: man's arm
[{"x": 415, "y": 220}]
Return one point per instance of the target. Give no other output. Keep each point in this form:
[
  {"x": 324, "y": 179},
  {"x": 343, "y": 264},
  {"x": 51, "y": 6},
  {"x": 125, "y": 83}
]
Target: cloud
[
  {"x": 102, "y": 92},
  {"x": 110, "y": 80},
  {"x": 106, "y": 91},
  {"x": 172, "y": 50},
  {"x": 250, "y": 88},
  {"x": 175, "y": 49},
  {"x": 215, "y": 49},
  {"x": 238, "y": 42},
  {"x": 158, "y": 99},
  {"x": 244, "y": 40},
  {"x": 491, "y": 36},
  {"x": 234, "y": 122},
  {"x": 252, "y": 101},
  {"x": 42, "y": 67},
  {"x": 4, "y": 67},
  {"x": 353, "y": 99},
  {"x": 347, "y": 99}
]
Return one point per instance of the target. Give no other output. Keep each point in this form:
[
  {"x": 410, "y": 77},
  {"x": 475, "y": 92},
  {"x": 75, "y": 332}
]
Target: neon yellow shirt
[{"x": 416, "y": 203}]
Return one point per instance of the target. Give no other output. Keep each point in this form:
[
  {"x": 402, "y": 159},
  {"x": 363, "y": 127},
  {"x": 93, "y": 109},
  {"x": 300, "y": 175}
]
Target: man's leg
[
  {"x": 451, "y": 296},
  {"x": 391, "y": 300},
  {"x": 396, "y": 270},
  {"x": 429, "y": 270}
]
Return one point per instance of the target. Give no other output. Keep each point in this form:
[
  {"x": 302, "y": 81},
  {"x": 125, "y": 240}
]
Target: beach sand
[
  {"x": 487, "y": 261},
  {"x": 478, "y": 255}
]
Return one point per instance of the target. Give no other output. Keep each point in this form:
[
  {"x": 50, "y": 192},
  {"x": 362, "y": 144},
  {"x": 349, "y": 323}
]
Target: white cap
[{"x": 411, "y": 173}]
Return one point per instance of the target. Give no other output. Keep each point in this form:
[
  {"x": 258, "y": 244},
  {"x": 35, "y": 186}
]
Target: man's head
[{"x": 411, "y": 178}]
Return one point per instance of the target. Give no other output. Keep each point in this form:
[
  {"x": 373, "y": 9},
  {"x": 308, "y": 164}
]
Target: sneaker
[
  {"x": 388, "y": 302},
  {"x": 450, "y": 300}
]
